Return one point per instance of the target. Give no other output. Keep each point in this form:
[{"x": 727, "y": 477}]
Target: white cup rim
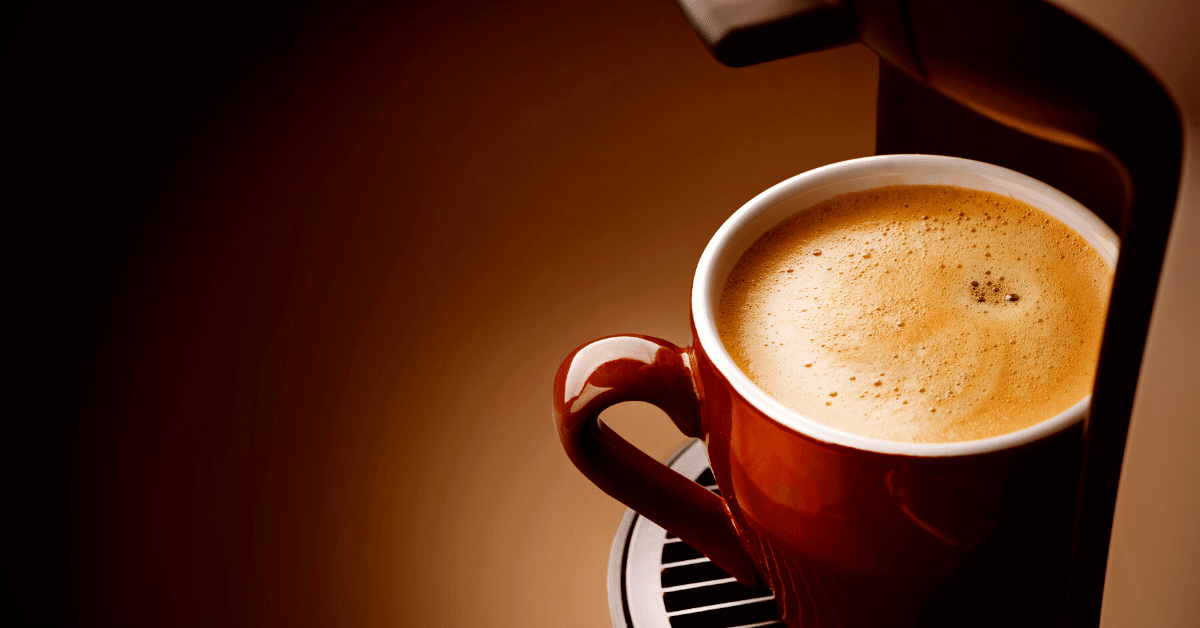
[{"x": 804, "y": 190}]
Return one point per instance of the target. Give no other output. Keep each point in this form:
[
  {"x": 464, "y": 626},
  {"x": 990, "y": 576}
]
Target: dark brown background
[{"x": 322, "y": 264}]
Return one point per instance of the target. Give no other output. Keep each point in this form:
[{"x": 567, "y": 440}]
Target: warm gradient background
[{"x": 327, "y": 303}]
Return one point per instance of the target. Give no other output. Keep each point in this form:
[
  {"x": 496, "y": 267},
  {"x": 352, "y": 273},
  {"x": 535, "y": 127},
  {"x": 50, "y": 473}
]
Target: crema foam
[{"x": 919, "y": 314}]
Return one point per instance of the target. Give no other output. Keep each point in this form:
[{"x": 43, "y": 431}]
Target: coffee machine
[{"x": 1099, "y": 100}]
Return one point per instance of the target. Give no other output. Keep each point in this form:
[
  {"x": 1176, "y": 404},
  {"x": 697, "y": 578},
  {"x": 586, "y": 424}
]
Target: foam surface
[{"x": 919, "y": 314}]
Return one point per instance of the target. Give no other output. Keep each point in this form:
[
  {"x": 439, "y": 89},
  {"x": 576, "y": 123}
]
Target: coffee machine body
[{"x": 1099, "y": 99}]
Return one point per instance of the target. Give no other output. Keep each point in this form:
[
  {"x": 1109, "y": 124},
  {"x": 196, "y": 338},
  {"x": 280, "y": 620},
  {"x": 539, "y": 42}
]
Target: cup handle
[{"x": 640, "y": 368}]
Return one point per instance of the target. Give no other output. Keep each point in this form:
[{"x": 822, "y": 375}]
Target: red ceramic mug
[{"x": 844, "y": 529}]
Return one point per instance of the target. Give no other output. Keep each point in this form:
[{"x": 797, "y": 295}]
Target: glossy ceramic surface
[{"x": 846, "y": 530}]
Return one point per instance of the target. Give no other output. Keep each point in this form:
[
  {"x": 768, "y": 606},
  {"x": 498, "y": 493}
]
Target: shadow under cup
[{"x": 845, "y": 529}]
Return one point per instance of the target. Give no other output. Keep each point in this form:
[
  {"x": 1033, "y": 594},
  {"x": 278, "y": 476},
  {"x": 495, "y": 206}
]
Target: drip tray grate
[{"x": 656, "y": 580}]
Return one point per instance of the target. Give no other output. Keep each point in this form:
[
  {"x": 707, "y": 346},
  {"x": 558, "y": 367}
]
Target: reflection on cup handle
[{"x": 640, "y": 368}]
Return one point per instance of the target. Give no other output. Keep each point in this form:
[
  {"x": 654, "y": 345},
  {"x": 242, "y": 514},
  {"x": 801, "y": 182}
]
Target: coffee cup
[{"x": 845, "y": 528}]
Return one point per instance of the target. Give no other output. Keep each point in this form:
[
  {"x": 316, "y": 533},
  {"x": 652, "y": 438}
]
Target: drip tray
[{"x": 657, "y": 581}]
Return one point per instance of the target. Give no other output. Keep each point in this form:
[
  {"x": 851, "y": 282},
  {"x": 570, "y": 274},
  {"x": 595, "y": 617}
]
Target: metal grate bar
[
  {"x": 732, "y": 615},
  {"x": 692, "y": 561},
  {"x": 691, "y": 573},
  {"x": 712, "y": 595},
  {"x": 721, "y": 606},
  {"x": 684, "y": 587}
]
